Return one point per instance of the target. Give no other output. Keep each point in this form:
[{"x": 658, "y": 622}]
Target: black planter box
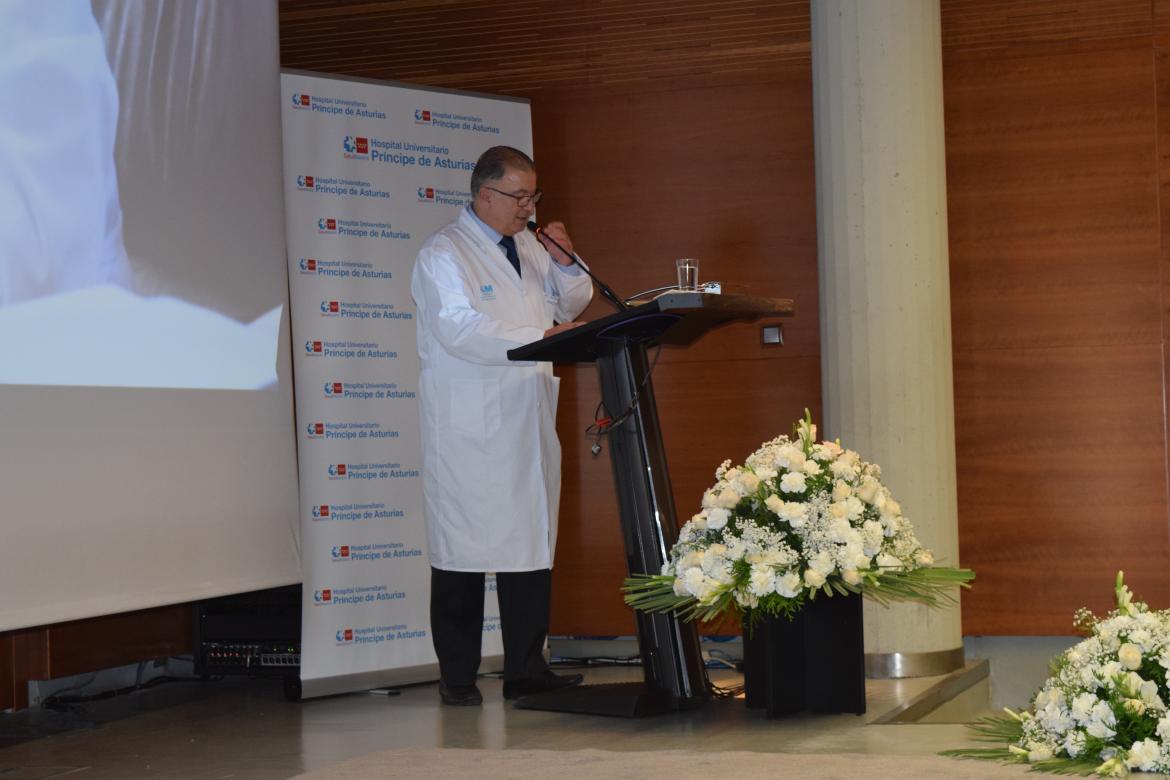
[{"x": 814, "y": 662}]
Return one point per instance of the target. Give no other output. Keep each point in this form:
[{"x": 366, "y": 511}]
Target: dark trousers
[{"x": 457, "y": 622}]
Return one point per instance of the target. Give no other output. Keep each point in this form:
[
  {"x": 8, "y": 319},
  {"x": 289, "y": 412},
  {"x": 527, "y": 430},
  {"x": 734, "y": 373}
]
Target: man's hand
[
  {"x": 556, "y": 231},
  {"x": 562, "y": 328}
]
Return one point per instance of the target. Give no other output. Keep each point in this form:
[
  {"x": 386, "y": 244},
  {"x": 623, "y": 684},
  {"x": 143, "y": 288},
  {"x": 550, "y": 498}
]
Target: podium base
[{"x": 618, "y": 700}]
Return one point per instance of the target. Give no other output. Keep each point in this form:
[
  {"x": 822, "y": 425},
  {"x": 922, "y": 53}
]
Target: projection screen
[{"x": 147, "y": 454}]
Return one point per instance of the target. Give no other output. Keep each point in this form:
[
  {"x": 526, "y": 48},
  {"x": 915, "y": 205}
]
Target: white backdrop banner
[{"x": 371, "y": 170}]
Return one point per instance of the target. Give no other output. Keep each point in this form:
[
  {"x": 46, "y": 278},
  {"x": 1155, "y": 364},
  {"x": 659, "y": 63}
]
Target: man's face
[{"x": 501, "y": 212}]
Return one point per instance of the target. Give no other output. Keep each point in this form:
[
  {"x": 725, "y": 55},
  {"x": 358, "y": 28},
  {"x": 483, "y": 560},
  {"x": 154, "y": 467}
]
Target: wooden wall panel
[
  {"x": 79, "y": 646},
  {"x": 115, "y": 640},
  {"x": 1056, "y": 225},
  {"x": 1052, "y": 197},
  {"x": 1061, "y": 482}
]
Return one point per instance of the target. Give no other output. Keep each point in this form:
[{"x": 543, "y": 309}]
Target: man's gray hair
[{"x": 495, "y": 162}]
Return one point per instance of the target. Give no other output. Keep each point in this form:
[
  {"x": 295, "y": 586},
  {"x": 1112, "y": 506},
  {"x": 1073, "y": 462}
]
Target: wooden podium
[{"x": 674, "y": 675}]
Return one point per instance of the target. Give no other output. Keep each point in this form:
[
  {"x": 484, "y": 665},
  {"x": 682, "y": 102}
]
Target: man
[{"x": 491, "y": 459}]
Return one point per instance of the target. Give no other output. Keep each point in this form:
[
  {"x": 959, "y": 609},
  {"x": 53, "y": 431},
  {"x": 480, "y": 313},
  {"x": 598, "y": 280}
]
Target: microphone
[{"x": 606, "y": 293}]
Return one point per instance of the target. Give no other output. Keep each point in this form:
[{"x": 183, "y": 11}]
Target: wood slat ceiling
[{"x": 525, "y": 46}]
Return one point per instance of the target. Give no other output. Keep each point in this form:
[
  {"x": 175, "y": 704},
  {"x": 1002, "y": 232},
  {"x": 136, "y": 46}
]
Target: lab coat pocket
[
  {"x": 554, "y": 389},
  {"x": 475, "y": 407}
]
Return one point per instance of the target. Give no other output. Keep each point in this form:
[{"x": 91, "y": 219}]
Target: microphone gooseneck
[{"x": 607, "y": 293}]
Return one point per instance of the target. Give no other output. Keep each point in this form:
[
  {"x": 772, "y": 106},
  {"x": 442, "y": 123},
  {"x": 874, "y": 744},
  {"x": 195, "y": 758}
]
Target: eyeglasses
[{"x": 523, "y": 201}]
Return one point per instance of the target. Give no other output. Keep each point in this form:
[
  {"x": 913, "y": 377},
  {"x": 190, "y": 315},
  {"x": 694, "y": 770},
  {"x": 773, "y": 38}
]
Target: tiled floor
[{"x": 247, "y": 731}]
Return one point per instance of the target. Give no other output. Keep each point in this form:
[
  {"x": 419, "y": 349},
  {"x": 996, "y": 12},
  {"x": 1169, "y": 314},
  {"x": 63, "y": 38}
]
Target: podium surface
[{"x": 673, "y": 671}]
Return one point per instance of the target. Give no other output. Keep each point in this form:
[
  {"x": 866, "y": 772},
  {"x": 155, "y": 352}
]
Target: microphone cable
[{"x": 603, "y": 424}]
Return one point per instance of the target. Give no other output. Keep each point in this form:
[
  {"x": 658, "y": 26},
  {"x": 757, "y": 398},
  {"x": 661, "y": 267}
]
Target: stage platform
[{"x": 245, "y": 730}]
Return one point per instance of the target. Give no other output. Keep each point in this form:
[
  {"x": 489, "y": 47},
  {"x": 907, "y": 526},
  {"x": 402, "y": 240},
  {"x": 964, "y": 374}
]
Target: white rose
[
  {"x": 1163, "y": 729},
  {"x": 1149, "y": 694},
  {"x": 731, "y": 474},
  {"x": 692, "y": 580},
  {"x": 924, "y": 558},
  {"x": 813, "y": 578},
  {"x": 709, "y": 498},
  {"x": 841, "y": 491},
  {"x": 717, "y": 518},
  {"x": 811, "y": 467},
  {"x": 852, "y": 576},
  {"x": 680, "y": 587},
  {"x": 792, "y": 482},
  {"x": 1130, "y": 656},
  {"x": 838, "y": 510},
  {"x": 727, "y": 498},
  {"x": 842, "y": 470},
  {"x": 1143, "y": 755},
  {"x": 1040, "y": 752},
  {"x": 766, "y": 472},
  {"x": 762, "y": 580},
  {"x": 699, "y": 522},
  {"x": 791, "y": 457},
  {"x": 788, "y": 585},
  {"x": 746, "y": 483},
  {"x": 1135, "y": 707},
  {"x": 868, "y": 490},
  {"x": 827, "y": 450},
  {"x": 822, "y": 563},
  {"x": 1074, "y": 743},
  {"x": 774, "y": 503},
  {"x": 691, "y": 560},
  {"x": 794, "y": 512},
  {"x": 1102, "y": 721}
]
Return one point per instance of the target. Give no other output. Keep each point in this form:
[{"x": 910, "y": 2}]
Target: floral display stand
[
  {"x": 814, "y": 662},
  {"x": 790, "y": 540}
]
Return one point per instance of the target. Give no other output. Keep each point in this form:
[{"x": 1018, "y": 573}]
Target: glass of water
[{"x": 688, "y": 273}]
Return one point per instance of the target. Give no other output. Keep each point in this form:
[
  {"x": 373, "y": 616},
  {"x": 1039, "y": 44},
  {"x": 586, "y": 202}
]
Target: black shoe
[
  {"x": 460, "y": 695},
  {"x": 514, "y": 689}
]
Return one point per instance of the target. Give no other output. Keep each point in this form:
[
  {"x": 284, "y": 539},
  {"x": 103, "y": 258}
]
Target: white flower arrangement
[
  {"x": 797, "y": 519},
  {"x": 1104, "y": 709}
]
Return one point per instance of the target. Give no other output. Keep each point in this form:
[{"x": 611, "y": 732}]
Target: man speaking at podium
[{"x": 491, "y": 459}]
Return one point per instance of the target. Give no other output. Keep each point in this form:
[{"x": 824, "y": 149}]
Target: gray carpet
[{"x": 558, "y": 765}]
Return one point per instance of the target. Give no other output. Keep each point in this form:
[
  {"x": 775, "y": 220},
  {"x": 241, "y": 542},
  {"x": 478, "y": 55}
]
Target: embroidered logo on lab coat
[{"x": 487, "y": 292}]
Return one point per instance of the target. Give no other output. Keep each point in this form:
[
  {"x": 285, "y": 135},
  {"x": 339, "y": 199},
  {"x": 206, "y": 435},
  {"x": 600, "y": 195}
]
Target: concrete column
[{"x": 884, "y": 286}]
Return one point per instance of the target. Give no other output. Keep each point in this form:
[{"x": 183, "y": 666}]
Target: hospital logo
[
  {"x": 326, "y": 225},
  {"x": 426, "y": 194},
  {"x": 487, "y": 292},
  {"x": 313, "y": 347},
  {"x": 337, "y": 471},
  {"x": 344, "y": 636},
  {"x": 316, "y": 430},
  {"x": 301, "y": 101},
  {"x": 334, "y": 389},
  {"x": 422, "y": 116},
  {"x": 308, "y": 265},
  {"x": 321, "y": 512},
  {"x": 341, "y": 552},
  {"x": 323, "y": 596},
  {"x": 330, "y": 308},
  {"x": 305, "y": 182},
  {"x": 355, "y": 147}
]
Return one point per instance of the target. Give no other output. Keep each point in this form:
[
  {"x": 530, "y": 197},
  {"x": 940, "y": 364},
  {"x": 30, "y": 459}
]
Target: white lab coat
[{"x": 491, "y": 459}]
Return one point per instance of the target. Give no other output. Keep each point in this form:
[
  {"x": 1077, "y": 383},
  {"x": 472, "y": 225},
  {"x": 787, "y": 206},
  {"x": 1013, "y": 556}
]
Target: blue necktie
[{"x": 509, "y": 245}]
